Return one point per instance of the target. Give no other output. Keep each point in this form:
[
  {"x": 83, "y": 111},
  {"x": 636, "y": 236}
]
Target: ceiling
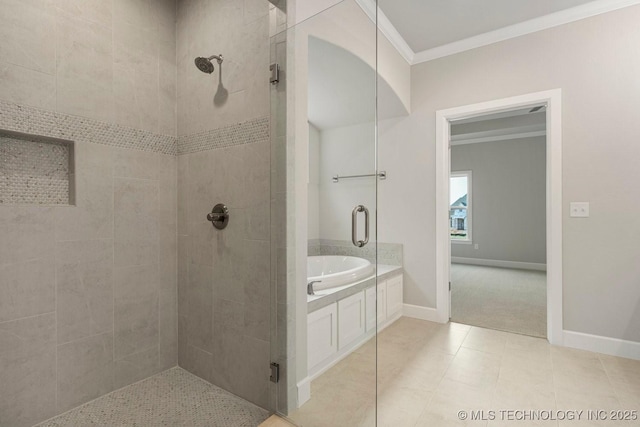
[
  {"x": 428, "y": 24},
  {"x": 342, "y": 89}
]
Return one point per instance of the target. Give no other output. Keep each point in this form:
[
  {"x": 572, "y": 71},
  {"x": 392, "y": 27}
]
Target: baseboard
[
  {"x": 304, "y": 391},
  {"x": 604, "y": 345},
  {"x": 422, "y": 313},
  {"x": 498, "y": 263}
]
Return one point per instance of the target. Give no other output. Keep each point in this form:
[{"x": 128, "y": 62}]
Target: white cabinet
[
  {"x": 350, "y": 319},
  {"x": 322, "y": 335},
  {"x": 382, "y": 302},
  {"x": 337, "y": 329},
  {"x": 394, "y": 297},
  {"x": 370, "y": 305}
]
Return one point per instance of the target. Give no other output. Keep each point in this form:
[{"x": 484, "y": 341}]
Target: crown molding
[
  {"x": 387, "y": 29},
  {"x": 527, "y": 27}
]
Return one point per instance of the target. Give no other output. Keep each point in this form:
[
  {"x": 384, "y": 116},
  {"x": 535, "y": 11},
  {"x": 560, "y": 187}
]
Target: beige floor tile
[
  {"x": 428, "y": 372},
  {"x": 276, "y": 421},
  {"x": 486, "y": 340},
  {"x": 475, "y": 368},
  {"x": 401, "y": 406}
]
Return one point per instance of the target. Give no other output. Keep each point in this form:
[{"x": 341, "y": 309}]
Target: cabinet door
[
  {"x": 394, "y": 296},
  {"x": 350, "y": 319},
  {"x": 382, "y": 302},
  {"x": 370, "y": 305},
  {"x": 322, "y": 337}
]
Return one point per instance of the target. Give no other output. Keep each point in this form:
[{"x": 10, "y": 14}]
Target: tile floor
[
  {"x": 500, "y": 298},
  {"x": 171, "y": 398},
  {"x": 428, "y": 372}
]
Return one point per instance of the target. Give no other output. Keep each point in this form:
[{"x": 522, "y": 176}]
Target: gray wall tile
[
  {"x": 26, "y": 30},
  {"x": 84, "y": 299},
  {"x": 135, "y": 222},
  {"x": 26, "y": 233},
  {"x": 96, "y": 11},
  {"x": 92, "y": 217},
  {"x": 136, "y": 367},
  {"x": 136, "y": 310},
  {"x": 91, "y": 54},
  {"x": 200, "y": 306},
  {"x": 135, "y": 164},
  {"x": 27, "y": 289},
  {"x": 28, "y": 374},
  {"x": 85, "y": 370},
  {"x": 25, "y": 86},
  {"x": 84, "y": 68},
  {"x": 168, "y": 329}
]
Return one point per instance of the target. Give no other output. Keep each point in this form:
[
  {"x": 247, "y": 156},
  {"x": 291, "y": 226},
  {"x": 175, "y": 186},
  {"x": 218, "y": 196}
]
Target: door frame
[{"x": 553, "y": 100}]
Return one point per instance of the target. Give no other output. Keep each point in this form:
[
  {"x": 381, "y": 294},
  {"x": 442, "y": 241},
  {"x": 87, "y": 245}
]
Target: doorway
[
  {"x": 497, "y": 224},
  {"x": 445, "y": 134}
]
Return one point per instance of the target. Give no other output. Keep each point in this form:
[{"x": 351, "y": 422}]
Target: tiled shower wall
[
  {"x": 224, "y": 157},
  {"x": 88, "y": 292}
]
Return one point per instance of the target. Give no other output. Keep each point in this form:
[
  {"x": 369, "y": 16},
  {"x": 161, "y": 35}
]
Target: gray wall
[
  {"x": 508, "y": 199},
  {"x": 224, "y": 276},
  {"x": 88, "y": 293},
  {"x": 594, "y": 64}
]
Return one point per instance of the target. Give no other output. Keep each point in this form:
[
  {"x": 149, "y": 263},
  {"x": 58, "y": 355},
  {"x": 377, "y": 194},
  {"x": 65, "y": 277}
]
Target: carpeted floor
[
  {"x": 171, "y": 398},
  {"x": 500, "y": 298}
]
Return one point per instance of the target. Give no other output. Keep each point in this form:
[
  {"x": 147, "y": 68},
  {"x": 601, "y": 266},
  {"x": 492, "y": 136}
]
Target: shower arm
[{"x": 217, "y": 58}]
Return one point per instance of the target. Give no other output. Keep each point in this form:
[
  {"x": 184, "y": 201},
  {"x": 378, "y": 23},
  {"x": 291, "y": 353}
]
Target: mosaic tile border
[
  {"x": 35, "y": 121},
  {"x": 249, "y": 132},
  {"x": 31, "y": 120}
]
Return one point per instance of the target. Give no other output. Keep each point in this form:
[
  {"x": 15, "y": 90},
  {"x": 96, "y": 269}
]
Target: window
[{"x": 460, "y": 206}]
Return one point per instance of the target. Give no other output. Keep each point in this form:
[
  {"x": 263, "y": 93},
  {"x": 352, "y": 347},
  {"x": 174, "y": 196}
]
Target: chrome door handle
[{"x": 354, "y": 226}]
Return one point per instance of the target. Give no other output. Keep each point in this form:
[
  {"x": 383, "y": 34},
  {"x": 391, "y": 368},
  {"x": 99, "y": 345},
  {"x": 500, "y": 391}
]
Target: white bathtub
[{"x": 334, "y": 270}]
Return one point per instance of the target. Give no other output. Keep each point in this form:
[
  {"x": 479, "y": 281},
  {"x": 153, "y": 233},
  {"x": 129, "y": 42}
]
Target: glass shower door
[{"x": 324, "y": 182}]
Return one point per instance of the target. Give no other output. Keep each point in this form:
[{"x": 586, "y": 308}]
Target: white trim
[
  {"x": 541, "y": 23},
  {"x": 604, "y": 345},
  {"x": 422, "y": 313},
  {"x": 387, "y": 29},
  {"x": 498, "y": 138},
  {"x": 499, "y": 263},
  {"x": 553, "y": 99},
  {"x": 531, "y": 26},
  {"x": 304, "y": 391}
]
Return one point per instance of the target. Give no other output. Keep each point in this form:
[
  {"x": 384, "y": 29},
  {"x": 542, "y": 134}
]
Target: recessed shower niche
[{"x": 35, "y": 170}]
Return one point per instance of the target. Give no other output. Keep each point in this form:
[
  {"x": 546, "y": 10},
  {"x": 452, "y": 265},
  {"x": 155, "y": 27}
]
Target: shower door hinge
[
  {"x": 449, "y": 286},
  {"x": 275, "y": 372},
  {"x": 275, "y": 73}
]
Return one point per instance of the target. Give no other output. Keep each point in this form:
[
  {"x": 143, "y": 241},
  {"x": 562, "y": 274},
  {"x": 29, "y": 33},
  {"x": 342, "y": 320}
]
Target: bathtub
[{"x": 335, "y": 270}]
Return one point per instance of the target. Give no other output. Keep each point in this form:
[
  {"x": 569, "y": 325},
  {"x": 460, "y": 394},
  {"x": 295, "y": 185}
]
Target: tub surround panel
[
  {"x": 387, "y": 253},
  {"x": 384, "y": 272}
]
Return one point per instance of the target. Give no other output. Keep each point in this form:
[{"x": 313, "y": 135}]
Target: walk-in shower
[{"x": 205, "y": 65}]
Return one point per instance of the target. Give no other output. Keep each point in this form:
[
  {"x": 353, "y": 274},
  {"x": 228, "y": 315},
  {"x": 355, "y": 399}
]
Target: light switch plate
[{"x": 579, "y": 210}]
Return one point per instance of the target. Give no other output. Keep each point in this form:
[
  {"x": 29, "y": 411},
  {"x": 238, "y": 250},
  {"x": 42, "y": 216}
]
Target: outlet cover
[{"x": 579, "y": 210}]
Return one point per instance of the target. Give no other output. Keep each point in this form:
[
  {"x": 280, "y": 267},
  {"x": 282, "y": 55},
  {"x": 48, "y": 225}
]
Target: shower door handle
[{"x": 354, "y": 226}]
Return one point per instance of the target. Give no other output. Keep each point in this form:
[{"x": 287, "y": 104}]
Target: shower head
[{"x": 205, "y": 65}]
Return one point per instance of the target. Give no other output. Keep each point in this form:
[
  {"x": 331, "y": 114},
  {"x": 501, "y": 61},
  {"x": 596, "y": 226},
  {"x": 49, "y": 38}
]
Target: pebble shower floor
[{"x": 172, "y": 398}]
